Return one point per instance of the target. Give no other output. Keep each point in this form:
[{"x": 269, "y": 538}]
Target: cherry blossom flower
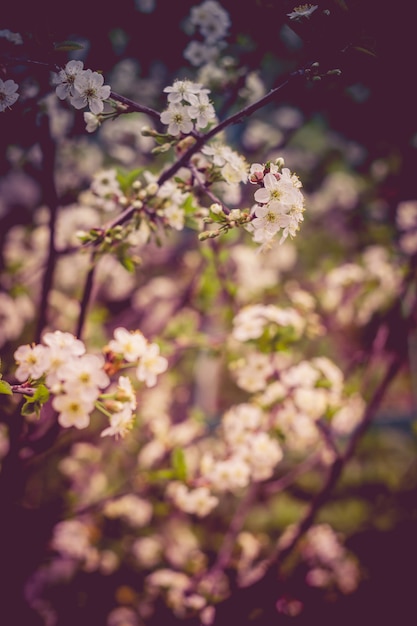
[
  {"x": 130, "y": 345},
  {"x": 8, "y": 95},
  {"x": 32, "y": 362},
  {"x": 90, "y": 91},
  {"x": 304, "y": 10},
  {"x": 202, "y": 111},
  {"x": 185, "y": 90},
  {"x": 74, "y": 409},
  {"x": 84, "y": 376},
  {"x": 211, "y": 19},
  {"x": 65, "y": 79},
  {"x": 178, "y": 119},
  {"x": 151, "y": 364}
]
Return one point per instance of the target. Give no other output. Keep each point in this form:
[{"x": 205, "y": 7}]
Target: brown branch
[
  {"x": 134, "y": 107},
  {"x": 51, "y": 198},
  {"x": 85, "y": 300}
]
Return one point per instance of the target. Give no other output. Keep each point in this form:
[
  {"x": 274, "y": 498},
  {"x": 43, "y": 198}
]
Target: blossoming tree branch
[{"x": 149, "y": 347}]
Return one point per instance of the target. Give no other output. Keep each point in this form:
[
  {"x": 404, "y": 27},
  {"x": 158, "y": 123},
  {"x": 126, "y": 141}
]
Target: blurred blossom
[
  {"x": 136, "y": 511},
  {"x": 18, "y": 189},
  {"x": 258, "y": 134},
  {"x": 287, "y": 118},
  {"x": 408, "y": 243},
  {"x": 14, "y": 314},
  {"x": 72, "y": 538},
  {"x": 123, "y": 139},
  {"x": 122, "y": 616},
  {"x": 254, "y": 88},
  {"x": 340, "y": 190},
  {"x": 115, "y": 282},
  {"x": 147, "y": 551},
  {"x": 144, "y": 6},
  {"x": 406, "y": 216},
  {"x": 71, "y": 220}
]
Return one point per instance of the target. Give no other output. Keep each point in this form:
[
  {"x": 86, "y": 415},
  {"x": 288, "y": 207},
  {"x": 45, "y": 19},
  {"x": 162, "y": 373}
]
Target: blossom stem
[
  {"x": 88, "y": 288},
  {"x": 207, "y": 191},
  {"x": 232, "y": 119},
  {"x": 134, "y": 106}
]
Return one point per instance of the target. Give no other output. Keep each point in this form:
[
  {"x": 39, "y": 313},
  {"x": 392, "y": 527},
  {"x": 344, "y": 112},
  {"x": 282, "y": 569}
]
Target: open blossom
[
  {"x": 178, "y": 119},
  {"x": 280, "y": 204},
  {"x": 65, "y": 79},
  {"x": 74, "y": 409},
  {"x": 183, "y": 90},
  {"x": 32, "y": 362},
  {"x": 233, "y": 167},
  {"x": 90, "y": 91},
  {"x": 84, "y": 376},
  {"x": 130, "y": 345},
  {"x": 151, "y": 364},
  {"x": 8, "y": 93},
  {"x": 64, "y": 341},
  {"x": 202, "y": 111}
]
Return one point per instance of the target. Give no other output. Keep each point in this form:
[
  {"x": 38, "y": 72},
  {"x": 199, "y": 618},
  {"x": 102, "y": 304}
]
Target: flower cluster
[
  {"x": 82, "y": 87},
  {"x": 76, "y": 379},
  {"x": 279, "y": 202},
  {"x": 212, "y": 22},
  {"x": 233, "y": 167},
  {"x": 189, "y": 107},
  {"x": 330, "y": 562}
]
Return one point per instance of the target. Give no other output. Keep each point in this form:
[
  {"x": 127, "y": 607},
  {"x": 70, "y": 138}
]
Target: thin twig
[
  {"x": 85, "y": 300},
  {"x": 134, "y": 107},
  {"x": 51, "y": 199}
]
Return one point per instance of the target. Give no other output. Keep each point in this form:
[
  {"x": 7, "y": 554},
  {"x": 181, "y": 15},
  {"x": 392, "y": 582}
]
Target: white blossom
[{"x": 8, "y": 93}]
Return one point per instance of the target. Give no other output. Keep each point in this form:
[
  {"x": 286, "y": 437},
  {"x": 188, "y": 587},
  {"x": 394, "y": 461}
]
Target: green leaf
[
  {"x": 178, "y": 463},
  {"x": 67, "y": 46},
  {"x": 34, "y": 403},
  {"x": 5, "y": 388},
  {"x": 126, "y": 179}
]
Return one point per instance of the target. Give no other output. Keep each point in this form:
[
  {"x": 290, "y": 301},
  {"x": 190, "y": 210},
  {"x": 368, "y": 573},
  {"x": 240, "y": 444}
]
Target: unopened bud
[
  {"x": 152, "y": 189},
  {"x": 234, "y": 214},
  {"x": 216, "y": 208}
]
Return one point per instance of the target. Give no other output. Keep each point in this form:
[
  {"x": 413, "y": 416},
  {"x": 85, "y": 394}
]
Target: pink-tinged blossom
[{"x": 90, "y": 91}]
